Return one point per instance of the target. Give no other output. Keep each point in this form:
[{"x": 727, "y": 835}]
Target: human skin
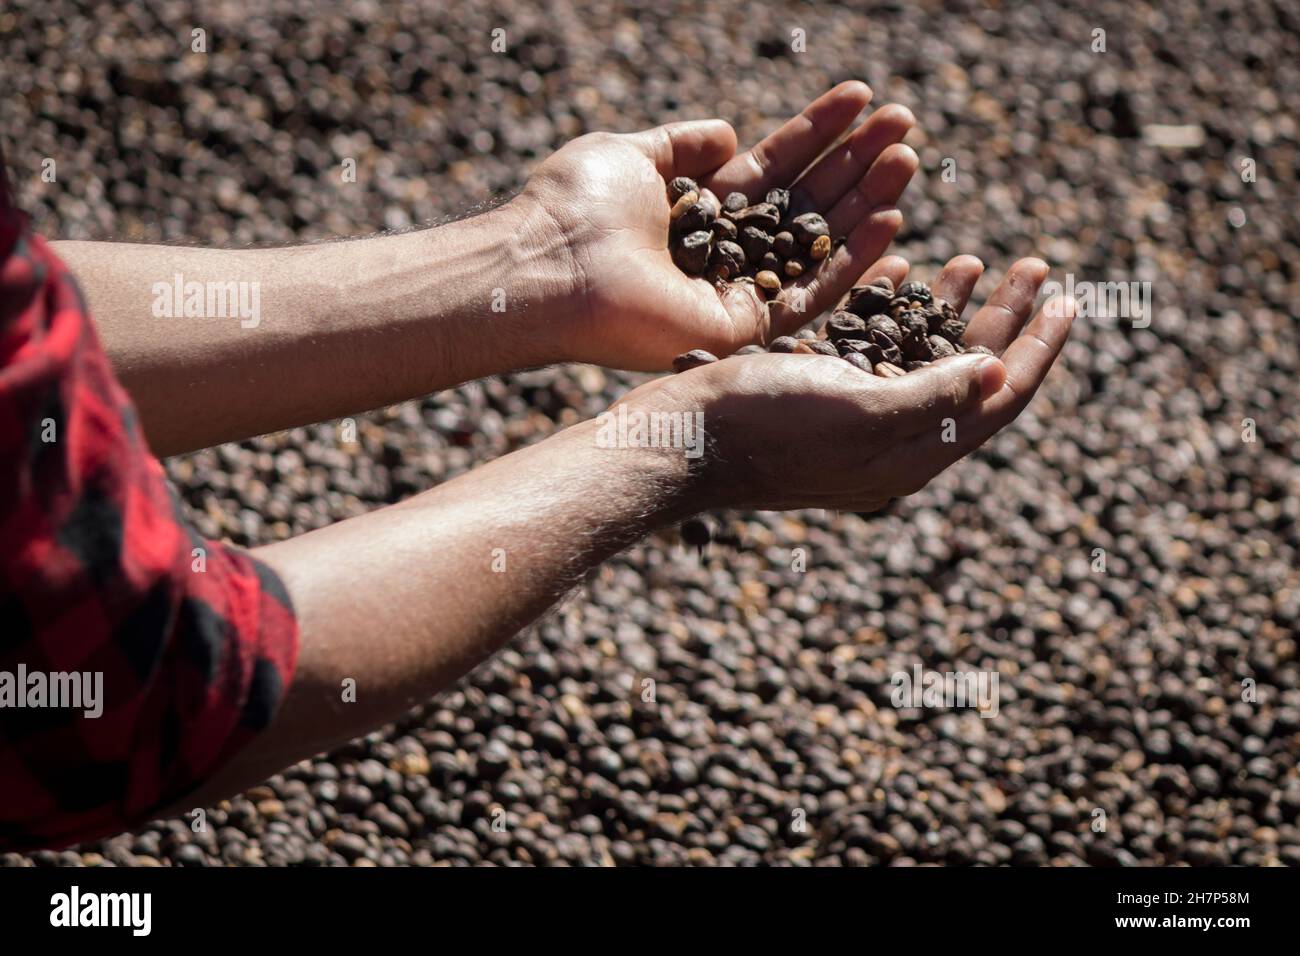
[{"x": 405, "y": 600}]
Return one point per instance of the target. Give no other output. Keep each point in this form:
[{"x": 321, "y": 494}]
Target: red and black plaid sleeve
[{"x": 100, "y": 574}]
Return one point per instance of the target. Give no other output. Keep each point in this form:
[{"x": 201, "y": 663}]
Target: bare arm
[{"x": 331, "y": 329}]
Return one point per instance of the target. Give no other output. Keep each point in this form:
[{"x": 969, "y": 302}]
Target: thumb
[
  {"x": 691, "y": 148},
  {"x": 943, "y": 389}
]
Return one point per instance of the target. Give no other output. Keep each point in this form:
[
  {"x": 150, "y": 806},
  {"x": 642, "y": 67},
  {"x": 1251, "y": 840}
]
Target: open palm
[{"x": 607, "y": 196}]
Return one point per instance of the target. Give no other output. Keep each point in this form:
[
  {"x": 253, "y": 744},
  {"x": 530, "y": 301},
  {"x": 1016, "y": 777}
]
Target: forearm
[
  {"x": 406, "y": 600},
  {"x": 324, "y": 330}
]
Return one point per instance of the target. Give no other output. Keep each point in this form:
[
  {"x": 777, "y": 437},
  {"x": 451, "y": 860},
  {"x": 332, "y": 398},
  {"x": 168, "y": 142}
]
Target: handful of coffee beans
[
  {"x": 738, "y": 239},
  {"x": 878, "y": 329}
]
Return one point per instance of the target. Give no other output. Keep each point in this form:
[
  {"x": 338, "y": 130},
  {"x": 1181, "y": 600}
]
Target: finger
[
  {"x": 690, "y": 148},
  {"x": 920, "y": 402},
  {"x": 997, "y": 324},
  {"x": 780, "y": 157},
  {"x": 956, "y": 281},
  {"x": 1027, "y": 361},
  {"x": 820, "y": 290},
  {"x": 882, "y": 185},
  {"x": 893, "y": 268},
  {"x": 841, "y": 169}
]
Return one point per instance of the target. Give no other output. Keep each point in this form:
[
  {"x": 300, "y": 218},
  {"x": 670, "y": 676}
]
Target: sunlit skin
[{"x": 405, "y": 600}]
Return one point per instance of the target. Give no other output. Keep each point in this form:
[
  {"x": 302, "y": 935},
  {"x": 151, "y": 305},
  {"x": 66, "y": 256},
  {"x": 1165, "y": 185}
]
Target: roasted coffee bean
[
  {"x": 763, "y": 215},
  {"x": 735, "y": 202},
  {"x": 886, "y": 327},
  {"x": 820, "y": 248},
  {"x": 680, "y": 186},
  {"x": 858, "y": 360},
  {"x": 692, "y": 253},
  {"x": 783, "y": 244},
  {"x": 845, "y": 325},
  {"x": 697, "y": 216},
  {"x": 728, "y": 259},
  {"x": 793, "y": 268},
  {"x": 889, "y": 370},
  {"x": 822, "y": 347},
  {"x": 870, "y": 299},
  {"x": 693, "y": 359},
  {"x": 755, "y": 242},
  {"x": 915, "y": 292},
  {"x": 808, "y": 227},
  {"x": 784, "y": 343},
  {"x": 941, "y": 347},
  {"x": 771, "y": 262},
  {"x": 685, "y": 202},
  {"x": 724, "y": 229},
  {"x": 780, "y": 198},
  {"x": 751, "y": 350}
]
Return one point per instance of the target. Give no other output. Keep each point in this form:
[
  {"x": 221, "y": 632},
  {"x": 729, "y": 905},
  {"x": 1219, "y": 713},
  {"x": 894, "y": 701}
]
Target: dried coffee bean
[
  {"x": 844, "y": 346},
  {"x": 915, "y": 292},
  {"x": 679, "y": 187},
  {"x": 870, "y": 299},
  {"x": 874, "y": 354},
  {"x": 941, "y": 347},
  {"x": 953, "y": 330},
  {"x": 783, "y": 344},
  {"x": 735, "y": 202},
  {"x": 724, "y": 229},
  {"x": 889, "y": 370},
  {"x": 912, "y": 322},
  {"x": 805, "y": 335},
  {"x": 728, "y": 259},
  {"x": 979, "y": 349},
  {"x": 820, "y": 248},
  {"x": 845, "y": 325},
  {"x": 751, "y": 350},
  {"x": 890, "y": 350},
  {"x": 768, "y": 280},
  {"x": 697, "y": 216},
  {"x": 793, "y": 268},
  {"x": 780, "y": 198},
  {"x": 886, "y": 327},
  {"x": 822, "y": 347},
  {"x": 692, "y": 254},
  {"x": 808, "y": 227},
  {"x": 755, "y": 242},
  {"x": 916, "y": 345},
  {"x": 783, "y": 244},
  {"x": 804, "y": 348},
  {"x": 763, "y": 215},
  {"x": 771, "y": 262},
  {"x": 914, "y": 366},
  {"x": 858, "y": 360},
  {"x": 693, "y": 359},
  {"x": 684, "y": 202}
]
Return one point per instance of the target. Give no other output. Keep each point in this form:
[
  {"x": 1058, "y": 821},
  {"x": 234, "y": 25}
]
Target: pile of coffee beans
[
  {"x": 878, "y": 329},
  {"x": 765, "y": 242}
]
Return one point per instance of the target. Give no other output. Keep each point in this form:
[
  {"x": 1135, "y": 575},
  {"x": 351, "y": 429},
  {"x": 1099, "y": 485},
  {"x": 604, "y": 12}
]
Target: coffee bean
[
  {"x": 886, "y": 327},
  {"x": 728, "y": 258},
  {"x": 858, "y": 361},
  {"x": 685, "y": 202},
  {"x": 808, "y": 227},
  {"x": 953, "y": 330},
  {"x": 784, "y": 343},
  {"x": 680, "y": 186},
  {"x": 845, "y": 325},
  {"x": 698, "y": 215},
  {"x": 761, "y": 215},
  {"x": 724, "y": 229},
  {"x": 780, "y": 198},
  {"x": 915, "y": 292},
  {"x": 793, "y": 268},
  {"x": 914, "y": 366},
  {"x": 693, "y": 359},
  {"x": 822, "y": 347},
  {"x": 820, "y": 248},
  {"x": 783, "y": 244},
  {"x": 755, "y": 242},
  {"x": 768, "y": 281},
  {"x": 771, "y": 262},
  {"x": 735, "y": 202},
  {"x": 692, "y": 253},
  {"x": 751, "y": 350},
  {"x": 889, "y": 370},
  {"x": 980, "y": 349},
  {"x": 870, "y": 299},
  {"x": 941, "y": 347}
]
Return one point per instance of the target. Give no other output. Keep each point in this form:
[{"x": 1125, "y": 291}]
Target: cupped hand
[
  {"x": 811, "y": 431},
  {"x": 604, "y": 197}
]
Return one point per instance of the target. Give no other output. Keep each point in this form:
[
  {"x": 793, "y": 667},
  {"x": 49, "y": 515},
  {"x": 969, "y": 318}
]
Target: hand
[
  {"x": 605, "y": 196},
  {"x": 811, "y": 431}
]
